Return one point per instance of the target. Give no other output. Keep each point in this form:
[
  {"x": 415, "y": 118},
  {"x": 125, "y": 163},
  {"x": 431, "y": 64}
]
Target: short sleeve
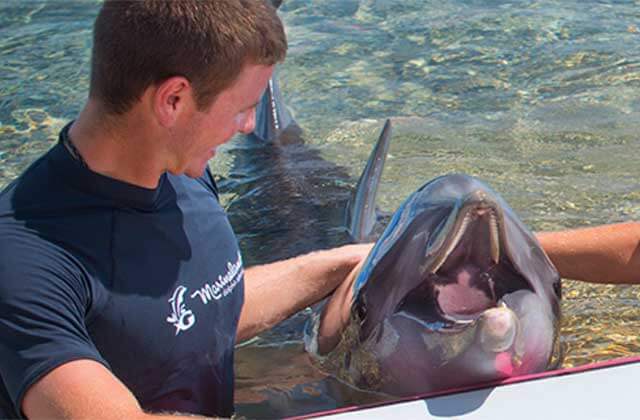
[{"x": 43, "y": 300}]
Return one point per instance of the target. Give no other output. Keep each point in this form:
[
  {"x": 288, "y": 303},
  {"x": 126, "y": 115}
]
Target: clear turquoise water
[{"x": 538, "y": 98}]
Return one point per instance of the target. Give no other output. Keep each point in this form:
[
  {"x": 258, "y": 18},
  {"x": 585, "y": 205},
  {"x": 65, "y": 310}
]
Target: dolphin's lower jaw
[
  {"x": 397, "y": 359},
  {"x": 498, "y": 329}
]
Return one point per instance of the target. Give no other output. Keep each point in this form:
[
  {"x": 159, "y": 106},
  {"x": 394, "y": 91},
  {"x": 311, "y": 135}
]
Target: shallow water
[{"x": 539, "y": 99}]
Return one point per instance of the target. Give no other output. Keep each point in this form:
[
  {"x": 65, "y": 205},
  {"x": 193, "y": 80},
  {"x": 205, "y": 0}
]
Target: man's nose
[{"x": 249, "y": 123}]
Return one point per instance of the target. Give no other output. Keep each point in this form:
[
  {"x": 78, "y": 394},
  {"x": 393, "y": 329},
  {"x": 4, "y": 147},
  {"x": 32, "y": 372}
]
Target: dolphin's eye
[
  {"x": 361, "y": 311},
  {"x": 557, "y": 288}
]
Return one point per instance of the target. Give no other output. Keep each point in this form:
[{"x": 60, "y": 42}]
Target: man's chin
[
  {"x": 193, "y": 171},
  {"x": 196, "y": 172}
]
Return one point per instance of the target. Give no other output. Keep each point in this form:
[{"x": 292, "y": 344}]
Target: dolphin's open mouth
[{"x": 467, "y": 268}]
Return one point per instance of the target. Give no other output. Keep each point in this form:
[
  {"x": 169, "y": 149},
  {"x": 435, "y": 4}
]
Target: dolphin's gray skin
[{"x": 456, "y": 291}]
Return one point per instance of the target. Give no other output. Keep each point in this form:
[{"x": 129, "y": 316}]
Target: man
[{"x": 122, "y": 289}]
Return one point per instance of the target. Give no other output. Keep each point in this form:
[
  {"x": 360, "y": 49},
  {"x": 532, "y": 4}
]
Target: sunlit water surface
[{"x": 538, "y": 98}]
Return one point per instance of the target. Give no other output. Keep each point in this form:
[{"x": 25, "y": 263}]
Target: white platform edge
[{"x": 600, "y": 391}]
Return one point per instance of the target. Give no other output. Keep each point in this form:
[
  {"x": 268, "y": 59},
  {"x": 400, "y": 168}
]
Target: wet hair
[{"x": 140, "y": 43}]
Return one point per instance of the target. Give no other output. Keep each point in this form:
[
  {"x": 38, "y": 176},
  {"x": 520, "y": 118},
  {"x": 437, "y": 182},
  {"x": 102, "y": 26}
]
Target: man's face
[{"x": 232, "y": 111}]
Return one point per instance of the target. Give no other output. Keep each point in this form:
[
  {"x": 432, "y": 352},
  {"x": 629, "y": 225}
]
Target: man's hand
[{"x": 273, "y": 292}]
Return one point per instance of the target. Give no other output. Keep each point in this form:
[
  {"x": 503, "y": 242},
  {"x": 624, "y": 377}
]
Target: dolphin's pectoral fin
[
  {"x": 272, "y": 115},
  {"x": 361, "y": 210}
]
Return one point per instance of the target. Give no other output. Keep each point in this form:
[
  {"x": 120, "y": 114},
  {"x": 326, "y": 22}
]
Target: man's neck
[{"x": 123, "y": 147}]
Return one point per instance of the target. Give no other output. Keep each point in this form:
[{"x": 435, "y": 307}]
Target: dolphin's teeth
[
  {"x": 450, "y": 246},
  {"x": 492, "y": 285},
  {"x": 494, "y": 238},
  {"x": 458, "y": 321}
]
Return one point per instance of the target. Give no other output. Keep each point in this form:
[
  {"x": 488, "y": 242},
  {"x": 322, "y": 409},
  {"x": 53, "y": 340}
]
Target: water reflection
[{"x": 294, "y": 387}]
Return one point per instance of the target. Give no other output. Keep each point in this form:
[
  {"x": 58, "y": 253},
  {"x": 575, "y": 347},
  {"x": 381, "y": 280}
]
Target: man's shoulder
[
  {"x": 32, "y": 266},
  {"x": 20, "y": 202},
  {"x": 37, "y": 181},
  {"x": 33, "y": 226}
]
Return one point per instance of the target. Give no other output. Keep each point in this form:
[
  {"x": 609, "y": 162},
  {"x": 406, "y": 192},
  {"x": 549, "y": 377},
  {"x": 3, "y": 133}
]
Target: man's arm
[
  {"x": 601, "y": 254},
  {"x": 83, "y": 389},
  {"x": 273, "y": 292}
]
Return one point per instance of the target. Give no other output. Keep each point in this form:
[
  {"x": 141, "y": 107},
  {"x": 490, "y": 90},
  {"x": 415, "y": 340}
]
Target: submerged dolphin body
[{"x": 456, "y": 291}]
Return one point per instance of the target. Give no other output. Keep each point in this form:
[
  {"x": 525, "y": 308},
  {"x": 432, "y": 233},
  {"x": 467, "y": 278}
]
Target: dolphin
[{"x": 456, "y": 291}]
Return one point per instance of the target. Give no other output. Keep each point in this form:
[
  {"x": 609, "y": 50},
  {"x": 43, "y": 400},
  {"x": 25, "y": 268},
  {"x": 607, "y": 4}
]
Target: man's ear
[{"x": 171, "y": 98}]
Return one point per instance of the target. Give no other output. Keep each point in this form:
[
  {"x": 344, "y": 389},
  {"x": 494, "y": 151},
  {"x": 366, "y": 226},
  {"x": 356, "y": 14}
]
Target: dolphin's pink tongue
[{"x": 461, "y": 297}]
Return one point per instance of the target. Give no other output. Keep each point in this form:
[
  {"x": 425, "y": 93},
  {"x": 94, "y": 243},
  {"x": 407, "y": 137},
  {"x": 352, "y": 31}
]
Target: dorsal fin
[
  {"x": 361, "y": 211},
  {"x": 272, "y": 115}
]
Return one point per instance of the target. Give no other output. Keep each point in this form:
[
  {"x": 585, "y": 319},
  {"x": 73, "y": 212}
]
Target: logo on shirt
[
  {"x": 223, "y": 286},
  {"x": 183, "y": 318}
]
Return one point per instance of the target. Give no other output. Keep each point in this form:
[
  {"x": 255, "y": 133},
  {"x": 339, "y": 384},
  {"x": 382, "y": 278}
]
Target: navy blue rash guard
[{"x": 147, "y": 282}]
